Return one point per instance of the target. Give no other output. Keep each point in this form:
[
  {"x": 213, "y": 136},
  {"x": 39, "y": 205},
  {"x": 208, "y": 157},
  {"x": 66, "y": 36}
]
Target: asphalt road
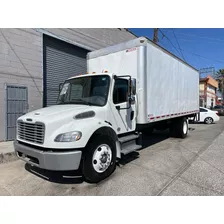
[{"x": 166, "y": 166}]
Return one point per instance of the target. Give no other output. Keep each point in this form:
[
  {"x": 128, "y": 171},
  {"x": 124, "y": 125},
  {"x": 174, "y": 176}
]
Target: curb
[{"x": 8, "y": 157}]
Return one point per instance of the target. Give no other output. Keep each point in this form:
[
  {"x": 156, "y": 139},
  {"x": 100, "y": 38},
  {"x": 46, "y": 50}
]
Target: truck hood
[
  {"x": 60, "y": 119},
  {"x": 57, "y": 112}
]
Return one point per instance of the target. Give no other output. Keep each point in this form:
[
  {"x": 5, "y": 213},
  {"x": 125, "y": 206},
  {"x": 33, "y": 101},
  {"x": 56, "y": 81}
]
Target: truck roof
[
  {"x": 90, "y": 74},
  {"x": 141, "y": 41}
]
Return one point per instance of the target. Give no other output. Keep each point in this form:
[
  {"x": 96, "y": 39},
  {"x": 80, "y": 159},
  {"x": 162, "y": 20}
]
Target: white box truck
[{"x": 130, "y": 88}]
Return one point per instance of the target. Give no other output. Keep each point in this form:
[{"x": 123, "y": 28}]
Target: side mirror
[
  {"x": 60, "y": 86},
  {"x": 133, "y": 86}
]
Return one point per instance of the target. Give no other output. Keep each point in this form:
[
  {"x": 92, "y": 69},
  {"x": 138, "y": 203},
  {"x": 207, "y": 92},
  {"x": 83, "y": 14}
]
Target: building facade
[
  {"x": 33, "y": 62},
  {"x": 208, "y": 89}
]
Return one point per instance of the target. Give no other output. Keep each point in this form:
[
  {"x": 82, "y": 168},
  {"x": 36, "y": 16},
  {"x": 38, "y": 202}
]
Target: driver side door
[{"x": 124, "y": 113}]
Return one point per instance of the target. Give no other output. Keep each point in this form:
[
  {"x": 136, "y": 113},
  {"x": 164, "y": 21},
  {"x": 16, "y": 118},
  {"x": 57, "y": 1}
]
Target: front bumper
[{"x": 49, "y": 160}]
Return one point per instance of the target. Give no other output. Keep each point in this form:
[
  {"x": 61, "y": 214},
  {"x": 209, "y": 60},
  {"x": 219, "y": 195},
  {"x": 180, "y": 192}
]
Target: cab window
[{"x": 120, "y": 94}]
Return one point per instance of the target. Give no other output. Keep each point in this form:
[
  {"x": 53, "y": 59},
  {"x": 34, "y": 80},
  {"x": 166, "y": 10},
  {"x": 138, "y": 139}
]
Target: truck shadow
[
  {"x": 147, "y": 141},
  {"x": 75, "y": 177}
]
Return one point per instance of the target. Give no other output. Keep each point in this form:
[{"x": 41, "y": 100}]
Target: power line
[
  {"x": 170, "y": 41},
  {"x": 194, "y": 35},
  {"x": 210, "y": 40},
  {"x": 215, "y": 60},
  {"x": 178, "y": 45},
  {"x": 201, "y": 56},
  {"x": 195, "y": 54}
]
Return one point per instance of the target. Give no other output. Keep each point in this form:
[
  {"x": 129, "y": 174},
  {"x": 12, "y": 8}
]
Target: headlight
[{"x": 69, "y": 137}]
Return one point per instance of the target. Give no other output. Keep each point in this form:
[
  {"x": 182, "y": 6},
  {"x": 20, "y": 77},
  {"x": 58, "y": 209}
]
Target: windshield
[{"x": 90, "y": 90}]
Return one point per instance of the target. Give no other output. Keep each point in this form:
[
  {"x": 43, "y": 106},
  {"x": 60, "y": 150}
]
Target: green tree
[{"x": 219, "y": 76}]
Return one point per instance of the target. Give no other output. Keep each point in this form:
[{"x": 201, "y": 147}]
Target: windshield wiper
[
  {"x": 82, "y": 101},
  {"x": 77, "y": 101}
]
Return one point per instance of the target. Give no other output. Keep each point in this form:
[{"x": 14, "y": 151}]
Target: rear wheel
[
  {"x": 179, "y": 128},
  {"x": 208, "y": 120},
  {"x": 99, "y": 159}
]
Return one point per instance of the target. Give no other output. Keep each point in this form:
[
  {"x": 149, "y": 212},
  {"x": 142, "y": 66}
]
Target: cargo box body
[{"x": 167, "y": 87}]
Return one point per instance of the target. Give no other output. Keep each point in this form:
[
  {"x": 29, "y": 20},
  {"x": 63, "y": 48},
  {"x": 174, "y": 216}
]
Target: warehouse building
[{"x": 33, "y": 62}]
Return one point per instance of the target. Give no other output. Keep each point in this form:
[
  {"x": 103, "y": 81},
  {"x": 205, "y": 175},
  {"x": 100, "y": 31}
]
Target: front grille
[{"x": 31, "y": 132}]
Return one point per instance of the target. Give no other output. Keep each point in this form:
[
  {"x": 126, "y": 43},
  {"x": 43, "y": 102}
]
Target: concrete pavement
[
  {"x": 7, "y": 152},
  {"x": 166, "y": 166},
  {"x": 205, "y": 176}
]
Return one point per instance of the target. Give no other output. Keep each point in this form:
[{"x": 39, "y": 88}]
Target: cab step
[
  {"x": 131, "y": 148},
  {"x": 128, "y": 138},
  {"x": 130, "y": 143}
]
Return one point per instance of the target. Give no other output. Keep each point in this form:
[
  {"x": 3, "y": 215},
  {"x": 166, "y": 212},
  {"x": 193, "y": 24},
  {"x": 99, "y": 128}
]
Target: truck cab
[{"x": 83, "y": 129}]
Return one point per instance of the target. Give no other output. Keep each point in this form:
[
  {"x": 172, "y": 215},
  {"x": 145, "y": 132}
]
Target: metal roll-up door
[{"x": 61, "y": 61}]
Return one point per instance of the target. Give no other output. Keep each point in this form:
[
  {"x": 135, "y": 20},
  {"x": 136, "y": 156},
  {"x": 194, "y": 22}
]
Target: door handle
[{"x": 132, "y": 115}]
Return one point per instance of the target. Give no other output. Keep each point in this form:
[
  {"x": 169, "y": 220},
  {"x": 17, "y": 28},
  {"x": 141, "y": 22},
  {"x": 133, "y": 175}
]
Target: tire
[
  {"x": 179, "y": 128},
  {"x": 208, "y": 120},
  {"x": 91, "y": 164}
]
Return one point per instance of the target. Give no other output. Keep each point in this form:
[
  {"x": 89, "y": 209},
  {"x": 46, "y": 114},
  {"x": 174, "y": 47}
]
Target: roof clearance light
[
  {"x": 93, "y": 72},
  {"x": 105, "y": 71}
]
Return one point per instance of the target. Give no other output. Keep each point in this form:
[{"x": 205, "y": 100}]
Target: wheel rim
[
  {"x": 209, "y": 120},
  {"x": 102, "y": 158},
  {"x": 185, "y": 128}
]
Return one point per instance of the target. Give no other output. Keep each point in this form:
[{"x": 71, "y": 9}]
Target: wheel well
[
  {"x": 104, "y": 131},
  {"x": 209, "y": 117},
  {"x": 107, "y": 131}
]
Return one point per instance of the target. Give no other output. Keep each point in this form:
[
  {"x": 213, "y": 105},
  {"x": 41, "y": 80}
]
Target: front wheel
[{"x": 99, "y": 160}]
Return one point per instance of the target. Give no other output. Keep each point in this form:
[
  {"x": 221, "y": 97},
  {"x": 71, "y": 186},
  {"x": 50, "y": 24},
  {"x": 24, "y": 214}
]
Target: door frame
[{"x": 123, "y": 105}]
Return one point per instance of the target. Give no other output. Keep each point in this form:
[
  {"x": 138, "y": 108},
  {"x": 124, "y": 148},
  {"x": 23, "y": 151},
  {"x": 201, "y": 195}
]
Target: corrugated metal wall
[{"x": 61, "y": 61}]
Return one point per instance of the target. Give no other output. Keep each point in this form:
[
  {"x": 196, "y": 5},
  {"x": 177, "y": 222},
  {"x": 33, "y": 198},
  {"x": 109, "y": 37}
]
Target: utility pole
[
  {"x": 155, "y": 35},
  {"x": 209, "y": 70}
]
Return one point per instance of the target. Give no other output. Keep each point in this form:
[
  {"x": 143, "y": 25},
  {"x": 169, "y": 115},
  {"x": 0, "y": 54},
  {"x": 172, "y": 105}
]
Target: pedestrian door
[{"x": 17, "y": 105}]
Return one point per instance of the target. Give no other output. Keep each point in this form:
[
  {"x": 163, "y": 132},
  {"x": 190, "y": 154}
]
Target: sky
[{"x": 201, "y": 48}]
